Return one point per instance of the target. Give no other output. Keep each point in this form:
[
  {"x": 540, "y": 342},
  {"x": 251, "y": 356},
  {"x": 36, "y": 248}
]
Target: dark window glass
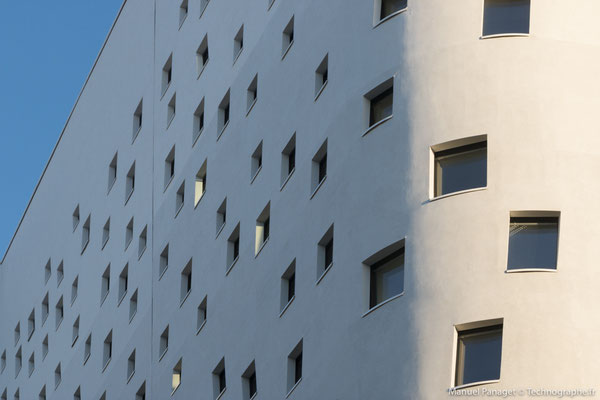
[
  {"x": 189, "y": 281},
  {"x": 205, "y": 56},
  {"x": 479, "y": 355},
  {"x": 381, "y": 106},
  {"x": 506, "y": 16},
  {"x": 201, "y": 122},
  {"x": 533, "y": 243},
  {"x": 461, "y": 168},
  {"x": 387, "y": 277},
  {"x": 325, "y": 75},
  {"x": 291, "y": 287},
  {"x": 389, "y": 7},
  {"x": 266, "y": 228},
  {"x": 329, "y": 253},
  {"x": 291, "y": 160},
  {"x": 252, "y": 384},
  {"x": 291, "y": 36},
  {"x": 298, "y": 368},
  {"x": 226, "y": 114},
  {"x": 236, "y": 248},
  {"x": 169, "y": 74},
  {"x": 323, "y": 168},
  {"x": 222, "y": 382}
]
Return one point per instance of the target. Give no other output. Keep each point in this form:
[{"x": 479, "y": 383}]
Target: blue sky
[{"x": 47, "y": 49}]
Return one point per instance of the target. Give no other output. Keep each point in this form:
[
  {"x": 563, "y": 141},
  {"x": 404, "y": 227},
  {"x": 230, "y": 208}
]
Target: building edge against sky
[{"x": 320, "y": 200}]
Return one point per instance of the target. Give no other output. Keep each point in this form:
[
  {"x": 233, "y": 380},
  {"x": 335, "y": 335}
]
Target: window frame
[{"x": 502, "y": 34}]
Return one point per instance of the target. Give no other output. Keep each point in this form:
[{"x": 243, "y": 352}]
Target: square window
[
  {"x": 186, "y": 282},
  {"x": 288, "y": 286},
  {"x": 202, "y": 55},
  {"x": 252, "y": 94},
  {"x": 238, "y": 43},
  {"x": 478, "y": 354},
  {"x": 387, "y": 8},
  {"x": 107, "y": 353},
  {"x": 133, "y": 305},
  {"x": 200, "y": 183},
  {"x": 105, "y": 284},
  {"x": 128, "y": 233},
  {"x": 533, "y": 241},
  {"x": 137, "y": 119},
  {"x": 386, "y": 273},
  {"x": 112, "y": 172},
  {"x": 198, "y": 122},
  {"x": 460, "y": 165},
  {"x": 288, "y": 160},
  {"x": 164, "y": 261},
  {"x": 167, "y": 74},
  {"x": 130, "y": 183},
  {"x": 249, "y": 382},
  {"x": 294, "y": 369},
  {"x": 169, "y": 167},
  {"x": 288, "y": 38},
  {"x": 176, "y": 380},
  {"x": 123, "y": 283},
  {"x": 221, "y": 216},
  {"x": 263, "y": 227},
  {"x": 180, "y": 198},
  {"x": 223, "y": 115},
  {"x": 183, "y": 12},
  {"x": 171, "y": 109},
  {"x": 201, "y": 320},
  {"x": 502, "y": 17},
  {"x": 380, "y": 103},
  {"x": 325, "y": 254},
  {"x": 142, "y": 241},
  {"x": 219, "y": 380},
  {"x": 105, "y": 233},
  {"x": 319, "y": 168},
  {"x": 256, "y": 161},
  {"x": 321, "y": 76},
  {"x": 233, "y": 248}
]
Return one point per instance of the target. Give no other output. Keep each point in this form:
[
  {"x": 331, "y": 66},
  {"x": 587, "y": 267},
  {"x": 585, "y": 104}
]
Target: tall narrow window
[
  {"x": 87, "y": 351},
  {"x": 45, "y": 347},
  {"x": 77, "y": 394},
  {"x": 75, "y": 335},
  {"x": 74, "y": 289},
  {"x": 3, "y": 361},
  {"x": 75, "y": 217},
  {"x": 387, "y": 8},
  {"x": 17, "y": 333},
  {"x": 131, "y": 365},
  {"x": 238, "y": 43},
  {"x": 57, "y": 376},
  {"x": 133, "y": 305},
  {"x": 533, "y": 241},
  {"x": 198, "y": 121},
  {"x": 319, "y": 168},
  {"x": 107, "y": 353},
  {"x": 18, "y": 361},
  {"x": 105, "y": 233},
  {"x": 256, "y": 161},
  {"x": 142, "y": 241},
  {"x": 128, "y": 233},
  {"x": 141, "y": 393},
  {"x": 233, "y": 248},
  {"x": 45, "y": 309},
  {"x": 249, "y": 388},
  {"x": 123, "y": 283},
  {"x": 179, "y": 198},
  {"x": 386, "y": 272},
  {"x": 186, "y": 282},
  {"x": 201, "y": 318},
  {"x": 31, "y": 363},
  {"x": 164, "y": 343},
  {"x": 85, "y": 234},
  {"x": 112, "y": 172},
  {"x": 31, "y": 324},
  {"x": 380, "y": 103},
  {"x": 288, "y": 160},
  {"x": 478, "y": 353},
  {"x": 47, "y": 271},
  {"x": 288, "y": 38},
  {"x": 460, "y": 165},
  {"x": 200, "y": 183},
  {"x": 105, "y": 284},
  {"x": 325, "y": 254},
  {"x": 137, "y": 119},
  {"x": 321, "y": 76},
  {"x": 169, "y": 167},
  {"x": 167, "y": 74},
  {"x": 176, "y": 380},
  {"x": 171, "y": 109},
  {"x": 203, "y": 5},
  {"x": 263, "y": 227},
  {"x": 219, "y": 379},
  {"x": 288, "y": 286},
  {"x": 183, "y": 12},
  {"x": 60, "y": 312},
  {"x": 164, "y": 261},
  {"x": 130, "y": 183},
  {"x": 202, "y": 55},
  {"x": 252, "y": 94},
  {"x": 506, "y": 17},
  {"x": 223, "y": 115},
  {"x": 60, "y": 273},
  {"x": 294, "y": 367},
  {"x": 221, "y": 216}
]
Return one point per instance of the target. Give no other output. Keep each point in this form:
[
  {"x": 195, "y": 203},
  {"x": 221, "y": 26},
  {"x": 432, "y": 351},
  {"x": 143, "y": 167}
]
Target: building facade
[{"x": 316, "y": 200}]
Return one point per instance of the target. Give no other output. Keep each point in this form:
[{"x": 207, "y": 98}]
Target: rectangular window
[
  {"x": 137, "y": 119},
  {"x": 263, "y": 227},
  {"x": 105, "y": 233},
  {"x": 256, "y": 162},
  {"x": 105, "y": 284},
  {"x": 325, "y": 254},
  {"x": 202, "y": 55},
  {"x": 107, "y": 353},
  {"x": 238, "y": 44},
  {"x": 180, "y": 198},
  {"x": 186, "y": 282},
  {"x": 219, "y": 379},
  {"x": 200, "y": 185},
  {"x": 478, "y": 354},
  {"x": 506, "y": 17},
  {"x": 198, "y": 121},
  {"x": 164, "y": 261},
  {"x": 171, "y": 109},
  {"x": 288, "y": 286},
  {"x": 169, "y": 167},
  {"x": 223, "y": 115},
  {"x": 380, "y": 103},
  {"x": 386, "y": 273},
  {"x": 251, "y": 94},
  {"x": 130, "y": 183},
  {"x": 201, "y": 319},
  {"x": 459, "y": 167},
  {"x": 294, "y": 369},
  {"x": 183, "y": 12},
  {"x": 288, "y": 38},
  {"x": 249, "y": 382},
  {"x": 142, "y": 242},
  {"x": 131, "y": 365},
  {"x": 288, "y": 160},
  {"x": 319, "y": 168},
  {"x": 167, "y": 74},
  {"x": 176, "y": 381},
  {"x": 123, "y": 283},
  {"x": 533, "y": 241},
  {"x": 85, "y": 234},
  {"x": 60, "y": 312},
  {"x": 221, "y": 216},
  {"x": 233, "y": 248},
  {"x": 164, "y": 343},
  {"x": 112, "y": 172},
  {"x": 321, "y": 76},
  {"x": 133, "y": 305}
]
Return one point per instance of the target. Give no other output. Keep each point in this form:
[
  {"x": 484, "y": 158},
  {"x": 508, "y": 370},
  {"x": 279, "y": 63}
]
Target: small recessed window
[
  {"x": 31, "y": 363},
  {"x": 201, "y": 317},
  {"x": 60, "y": 312},
  {"x": 18, "y": 361},
  {"x": 183, "y": 12},
  {"x": 112, "y": 172},
  {"x": 221, "y": 216},
  {"x": 45, "y": 347},
  {"x": 74, "y": 289},
  {"x": 31, "y": 324},
  {"x": 478, "y": 354},
  {"x": 47, "y": 271},
  {"x": 386, "y": 273},
  {"x": 294, "y": 370},
  {"x": 459, "y": 166},
  {"x": 171, "y": 109},
  {"x": 103, "y": 397},
  {"x": 128, "y": 233},
  {"x": 45, "y": 308},
  {"x": 131, "y": 365},
  {"x": 233, "y": 248},
  {"x": 319, "y": 168},
  {"x": 123, "y": 283},
  {"x": 141, "y": 393},
  {"x": 130, "y": 183},
  {"x": 77, "y": 394},
  {"x": 219, "y": 379},
  {"x": 238, "y": 43},
  {"x": 533, "y": 241},
  {"x": 198, "y": 121},
  {"x": 60, "y": 273},
  {"x": 387, "y": 8},
  {"x": 506, "y": 17},
  {"x": 3, "y": 361},
  {"x": 325, "y": 254},
  {"x": 133, "y": 305},
  {"x": 186, "y": 282},
  {"x": 288, "y": 286},
  {"x": 203, "y": 4},
  {"x": 176, "y": 376},
  {"x": 252, "y": 94},
  {"x": 75, "y": 217},
  {"x": 321, "y": 76},
  {"x": 17, "y": 332},
  {"x": 288, "y": 38},
  {"x": 87, "y": 351},
  {"x": 105, "y": 233},
  {"x": 249, "y": 388},
  {"x": 107, "y": 352},
  {"x": 164, "y": 261},
  {"x": 202, "y": 55},
  {"x": 137, "y": 119},
  {"x": 223, "y": 115},
  {"x": 263, "y": 228},
  {"x": 169, "y": 167},
  {"x": 256, "y": 161},
  {"x": 85, "y": 233},
  {"x": 57, "y": 376},
  {"x": 288, "y": 160},
  {"x": 167, "y": 74},
  {"x": 200, "y": 183},
  {"x": 380, "y": 103},
  {"x": 180, "y": 198},
  {"x": 42, "y": 395},
  {"x": 75, "y": 334},
  {"x": 142, "y": 241},
  {"x": 105, "y": 284},
  {"x": 164, "y": 343}
]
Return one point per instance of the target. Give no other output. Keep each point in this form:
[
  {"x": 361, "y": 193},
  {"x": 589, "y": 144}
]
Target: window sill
[
  {"x": 262, "y": 245},
  {"x": 178, "y": 210},
  {"x": 221, "y": 394},
  {"x": 182, "y": 21},
  {"x": 132, "y": 316},
  {"x": 30, "y": 335},
  {"x": 220, "y": 230},
  {"x": 382, "y": 304},
  {"x": 457, "y": 193},
  {"x": 130, "y": 376},
  {"x": 136, "y": 133},
  {"x": 141, "y": 253},
  {"x": 289, "y": 303},
  {"x": 106, "y": 365},
  {"x": 321, "y": 90},
  {"x": 199, "y": 200},
  {"x": 293, "y": 388},
  {"x": 201, "y": 326},
  {"x": 59, "y": 323},
  {"x": 104, "y": 298},
  {"x": 324, "y": 273},
  {"x": 520, "y": 270},
  {"x": 255, "y": 175},
  {"x": 128, "y": 244},
  {"x": 128, "y": 196},
  {"x": 165, "y": 90},
  {"x": 392, "y": 15},
  {"x": 121, "y": 298},
  {"x": 184, "y": 298},
  {"x": 251, "y": 107},
  {"x": 287, "y": 179},
  {"x": 318, "y": 187},
  {"x": 86, "y": 358},
  {"x": 232, "y": 265},
  {"x": 162, "y": 273},
  {"x": 222, "y": 130},
  {"x": 254, "y": 396},
  {"x": 75, "y": 227},
  {"x": 74, "y": 341},
  {"x": 376, "y": 124},
  {"x": 271, "y": 2},
  {"x": 163, "y": 354},
  {"x": 110, "y": 186},
  {"x": 170, "y": 120},
  {"x": 202, "y": 68},
  {"x": 174, "y": 390},
  {"x": 168, "y": 183},
  {"x": 237, "y": 56},
  {"x": 197, "y": 136},
  {"x": 84, "y": 247},
  {"x": 468, "y": 385},
  {"x": 104, "y": 243},
  {"x": 287, "y": 50},
  {"x": 73, "y": 300},
  {"x": 503, "y": 35}
]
